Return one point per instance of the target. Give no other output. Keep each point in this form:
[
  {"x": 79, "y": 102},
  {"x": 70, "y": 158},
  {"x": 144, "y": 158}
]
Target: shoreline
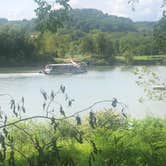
[{"x": 144, "y": 60}]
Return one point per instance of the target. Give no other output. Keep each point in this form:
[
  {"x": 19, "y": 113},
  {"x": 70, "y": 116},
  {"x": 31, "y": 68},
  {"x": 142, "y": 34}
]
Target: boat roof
[{"x": 61, "y": 64}]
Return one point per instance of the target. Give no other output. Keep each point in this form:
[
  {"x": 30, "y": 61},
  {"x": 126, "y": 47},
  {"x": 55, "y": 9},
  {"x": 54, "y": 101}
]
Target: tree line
[{"x": 86, "y": 34}]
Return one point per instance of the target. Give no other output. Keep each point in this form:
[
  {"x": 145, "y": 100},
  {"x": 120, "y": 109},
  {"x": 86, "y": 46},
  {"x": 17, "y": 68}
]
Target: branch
[
  {"x": 91, "y": 106},
  {"x": 25, "y": 119},
  {"x": 70, "y": 116},
  {"x": 6, "y": 95}
]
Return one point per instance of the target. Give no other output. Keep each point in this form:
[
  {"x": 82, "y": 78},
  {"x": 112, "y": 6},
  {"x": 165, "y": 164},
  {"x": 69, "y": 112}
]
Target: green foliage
[
  {"x": 128, "y": 55},
  {"x": 143, "y": 26},
  {"x": 15, "y": 46},
  {"x": 160, "y": 35},
  {"x": 154, "y": 89},
  {"x": 48, "y": 17},
  {"x": 53, "y": 44},
  {"x": 140, "y": 43},
  {"x": 116, "y": 141},
  {"x": 99, "y": 46},
  {"x": 87, "y": 35},
  {"x": 86, "y": 20},
  {"x": 49, "y": 142}
]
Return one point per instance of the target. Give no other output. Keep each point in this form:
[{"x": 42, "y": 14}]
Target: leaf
[
  {"x": 55, "y": 126},
  {"x": 62, "y": 88},
  {"x": 78, "y": 136},
  {"x": 70, "y": 103},
  {"x": 1, "y": 116},
  {"x": 12, "y": 104},
  {"x": 44, "y": 94},
  {"x": 66, "y": 97},
  {"x": 52, "y": 120},
  {"x": 1, "y": 138},
  {"x": 5, "y": 119},
  {"x": 5, "y": 132},
  {"x": 78, "y": 119},
  {"x": 18, "y": 107},
  {"x": 22, "y": 99},
  {"x": 114, "y": 102},
  {"x": 23, "y": 109},
  {"x": 54, "y": 139},
  {"x": 92, "y": 119},
  {"x": 124, "y": 115},
  {"x": 62, "y": 113},
  {"x": 95, "y": 150},
  {"x": 44, "y": 106},
  {"x": 14, "y": 111},
  {"x": 52, "y": 95}
]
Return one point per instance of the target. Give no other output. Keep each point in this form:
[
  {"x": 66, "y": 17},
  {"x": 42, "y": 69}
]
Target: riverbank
[
  {"x": 143, "y": 60},
  {"x": 117, "y": 60}
]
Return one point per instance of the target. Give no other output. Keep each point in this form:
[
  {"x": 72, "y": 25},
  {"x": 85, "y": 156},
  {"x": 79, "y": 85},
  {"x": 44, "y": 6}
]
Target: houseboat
[
  {"x": 65, "y": 68},
  {"x": 160, "y": 87}
]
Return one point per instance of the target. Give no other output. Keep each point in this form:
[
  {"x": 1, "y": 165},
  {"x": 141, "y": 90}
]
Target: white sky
[{"x": 146, "y": 10}]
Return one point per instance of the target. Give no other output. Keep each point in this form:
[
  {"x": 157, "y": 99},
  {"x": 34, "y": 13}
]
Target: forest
[{"x": 88, "y": 35}]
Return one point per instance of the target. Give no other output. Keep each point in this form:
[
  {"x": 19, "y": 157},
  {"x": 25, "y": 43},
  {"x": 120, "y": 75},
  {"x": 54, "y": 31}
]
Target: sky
[{"x": 146, "y": 10}]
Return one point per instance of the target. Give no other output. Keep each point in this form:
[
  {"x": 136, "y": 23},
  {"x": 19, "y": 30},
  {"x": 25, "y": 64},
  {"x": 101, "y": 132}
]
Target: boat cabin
[{"x": 72, "y": 68}]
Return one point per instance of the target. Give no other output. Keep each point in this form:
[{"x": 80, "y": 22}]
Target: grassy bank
[
  {"x": 133, "y": 60},
  {"x": 143, "y": 59},
  {"x": 114, "y": 140}
]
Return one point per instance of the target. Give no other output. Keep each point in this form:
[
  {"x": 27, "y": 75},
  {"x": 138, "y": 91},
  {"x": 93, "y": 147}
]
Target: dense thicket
[
  {"x": 88, "y": 34},
  {"x": 112, "y": 142}
]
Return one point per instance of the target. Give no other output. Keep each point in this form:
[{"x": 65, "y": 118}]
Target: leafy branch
[
  {"x": 50, "y": 104},
  {"x": 153, "y": 86}
]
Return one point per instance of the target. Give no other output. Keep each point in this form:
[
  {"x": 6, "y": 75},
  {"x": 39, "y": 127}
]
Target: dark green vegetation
[
  {"x": 87, "y": 35},
  {"x": 48, "y": 18},
  {"x": 113, "y": 141}
]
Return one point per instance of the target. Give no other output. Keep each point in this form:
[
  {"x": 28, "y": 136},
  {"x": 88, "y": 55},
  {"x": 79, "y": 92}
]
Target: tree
[
  {"x": 16, "y": 47},
  {"x": 87, "y": 44},
  {"x": 51, "y": 14},
  {"x": 154, "y": 87},
  {"x": 160, "y": 35}
]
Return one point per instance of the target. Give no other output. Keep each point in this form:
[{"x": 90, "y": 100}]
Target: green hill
[{"x": 86, "y": 20}]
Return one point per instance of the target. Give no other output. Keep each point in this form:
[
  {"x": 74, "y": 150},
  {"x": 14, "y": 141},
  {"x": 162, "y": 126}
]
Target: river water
[{"x": 98, "y": 84}]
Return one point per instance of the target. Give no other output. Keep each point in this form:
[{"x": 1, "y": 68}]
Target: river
[{"x": 102, "y": 83}]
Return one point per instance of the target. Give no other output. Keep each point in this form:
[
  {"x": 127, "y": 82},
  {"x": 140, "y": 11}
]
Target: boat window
[
  {"x": 62, "y": 68},
  {"x": 48, "y": 67}
]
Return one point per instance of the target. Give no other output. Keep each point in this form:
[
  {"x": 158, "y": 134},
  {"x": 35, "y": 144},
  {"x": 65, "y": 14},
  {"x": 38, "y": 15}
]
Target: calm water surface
[{"x": 98, "y": 84}]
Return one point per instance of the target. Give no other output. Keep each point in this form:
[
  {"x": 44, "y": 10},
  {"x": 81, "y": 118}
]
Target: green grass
[
  {"x": 150, "y": 59},
  {"x": 143, "y": 57}
]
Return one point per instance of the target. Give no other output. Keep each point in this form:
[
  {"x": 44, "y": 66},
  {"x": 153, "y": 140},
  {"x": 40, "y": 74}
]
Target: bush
[{"x": 114, "y": 142}]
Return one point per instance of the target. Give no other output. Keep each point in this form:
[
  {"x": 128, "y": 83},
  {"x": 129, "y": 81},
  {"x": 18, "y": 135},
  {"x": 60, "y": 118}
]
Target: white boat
[
  {"x": 65, "y": 68},
  {"x": 159, "y": 87}
]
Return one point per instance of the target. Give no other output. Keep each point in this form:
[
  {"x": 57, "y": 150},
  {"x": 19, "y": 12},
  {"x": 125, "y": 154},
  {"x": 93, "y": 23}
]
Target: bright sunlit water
[{"x": 98, "y": 84}]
